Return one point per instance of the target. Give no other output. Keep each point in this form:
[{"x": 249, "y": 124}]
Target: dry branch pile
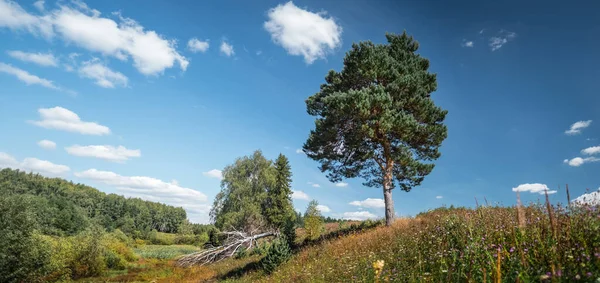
[{"x": 234, "y": 241}]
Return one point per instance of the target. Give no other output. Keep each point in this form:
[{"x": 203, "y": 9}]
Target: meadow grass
[
  {"x": 536, "y": 243},
  {"x": 164, "y": 252},
  {"x": 487, "y": 244}
]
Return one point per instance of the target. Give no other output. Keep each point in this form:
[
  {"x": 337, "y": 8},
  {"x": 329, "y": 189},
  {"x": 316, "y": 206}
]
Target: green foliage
[
  {"x": 313, "y": 221},
  {"x": 289, "y": 232},
  {"x": 376, "y": 119},
  {"x": 243, "y": 190},
  {"x": 255, "y": 194},
  {"x": 62, "y": 208},
  {"x": 278, "y": 252},
  {"x": 22, "y": 257},
  {"x": 164, "y": 252},
  {"x": 278, "y": 207}
]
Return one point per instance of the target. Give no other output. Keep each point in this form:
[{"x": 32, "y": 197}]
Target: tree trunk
[
  {"x": 389, "y": 206},
  {"x": 387, "y": 196}
]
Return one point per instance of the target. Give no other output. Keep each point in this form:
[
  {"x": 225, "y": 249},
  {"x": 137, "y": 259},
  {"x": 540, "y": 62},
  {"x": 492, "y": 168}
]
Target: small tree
[
  {"x": 313, "y": 221},
  {"x": 278, "y": 208},
  {"x": 376, "y": 118}
]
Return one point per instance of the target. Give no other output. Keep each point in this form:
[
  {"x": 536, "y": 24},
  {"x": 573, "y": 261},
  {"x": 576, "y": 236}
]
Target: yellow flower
[{"x": 378, "y": 265}]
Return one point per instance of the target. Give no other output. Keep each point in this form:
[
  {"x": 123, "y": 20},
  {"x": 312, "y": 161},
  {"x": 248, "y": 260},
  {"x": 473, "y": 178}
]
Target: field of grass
[
  {"x": 164, "y": 252},
  {"x": 538, "y": 243}
]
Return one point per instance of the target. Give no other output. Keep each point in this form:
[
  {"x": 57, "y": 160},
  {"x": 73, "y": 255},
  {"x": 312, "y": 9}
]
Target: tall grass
[
  {"x": 487, "y": 244},
  {"x": 164, "y": 252}
]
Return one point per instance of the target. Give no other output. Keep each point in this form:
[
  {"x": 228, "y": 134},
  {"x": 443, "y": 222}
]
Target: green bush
[{"x": 278, "y": 252}]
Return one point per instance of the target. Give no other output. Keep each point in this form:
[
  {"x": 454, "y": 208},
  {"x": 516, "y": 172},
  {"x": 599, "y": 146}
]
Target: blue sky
[{"x": 119, "y": 95}]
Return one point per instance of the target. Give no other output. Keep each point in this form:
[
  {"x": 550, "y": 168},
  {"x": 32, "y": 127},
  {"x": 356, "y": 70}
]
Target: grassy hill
[{"x": 487, "y": 244}]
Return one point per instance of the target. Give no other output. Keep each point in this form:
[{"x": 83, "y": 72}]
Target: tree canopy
[
  {"x": 376, "y": 119},
  {"x": 255, "y": 195}
]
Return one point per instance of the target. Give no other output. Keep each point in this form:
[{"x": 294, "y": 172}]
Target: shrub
[
  {"x": 289, "y": 232},
  {"x": 278, "y": 252},
  {"x": 89, "y": 253}
]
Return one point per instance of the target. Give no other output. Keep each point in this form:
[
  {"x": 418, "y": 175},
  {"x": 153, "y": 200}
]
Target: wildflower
[
  {"x": 378, "y": 266},
  {"x": 512, "y": 249},
  {"x": 577, "y": 277}
]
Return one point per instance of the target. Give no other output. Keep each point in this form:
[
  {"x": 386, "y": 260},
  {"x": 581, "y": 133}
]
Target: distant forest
[{"x": 64, "y": 208}]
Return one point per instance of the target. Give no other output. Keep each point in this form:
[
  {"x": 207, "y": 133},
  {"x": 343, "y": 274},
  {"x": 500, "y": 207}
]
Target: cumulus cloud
[
  {"x": 299, "y": 151},
  {"x": 467, "y": 43},
  {"x": 439, "y": 197},
  {"x": 369, "y": 203},
  {"x": 503, "y": 37},
  {"x": 358, "y": 215},
  {"x": 63, "y": 119},
  {"x": 39, "y": 5},
  {"x": 304, "y": 33},
  {"x": 85, "y": 27},
  {"x": 227, "y": 49},
  {"x": 534, "y": 188},
  {"x": 214, "y": 173},
  {"x": 46, "y": 144},
  {"x": 591, "y": 199},
  {"x": 106, "y": 152},
  {"x": 323, "y": 208},
  {"x": 43, "y": 167},
  {"x": 101, "y": 74},
  {"x": 341, "y": 184},
  {"x": 578, "y": 161},
  {"x": 300, "y": 195},
  {"x": 195, "y": 45},
  {"x": 314, "y": 185},
  {"x": 577, "y": 127},
  {"x": 591, "y": 150},
  {"x": 12, "y": 16},
  {"x": 153, "y": 189},
  {"x": 26, "y": 77},
  {"x": 42, "y": 59}
]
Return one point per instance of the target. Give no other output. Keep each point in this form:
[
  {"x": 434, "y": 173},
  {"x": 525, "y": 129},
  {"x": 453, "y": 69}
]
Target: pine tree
[
  {"x": 376, "y": 119},
  {"x": 278, "y": 205}
]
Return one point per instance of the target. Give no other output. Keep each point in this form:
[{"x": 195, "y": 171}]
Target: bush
[
  {"x": 278, "y": 252},
  {"x": 22, "y": 257},
  {"x": 289, "y": 232}
]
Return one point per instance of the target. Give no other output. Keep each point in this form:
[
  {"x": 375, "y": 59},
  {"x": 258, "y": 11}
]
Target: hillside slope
[{"x": 457, "y": 245}]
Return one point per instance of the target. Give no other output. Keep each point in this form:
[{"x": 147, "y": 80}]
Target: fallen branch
[{"x": 235, "y": 240}]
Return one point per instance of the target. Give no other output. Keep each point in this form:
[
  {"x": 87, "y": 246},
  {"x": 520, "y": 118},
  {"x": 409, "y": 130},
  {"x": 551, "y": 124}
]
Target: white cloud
[
  {"x": 439, "y": 197},
  {"x": 153, "y": 189},
  {"x": 43, "y": 167},
  {"x": 214, "y": 173},
  {"x": 301, "y": 32},
  {"x": 63, "y": 119},
  {"x": 26, "y": 77},
  {"x": 592, "y": 199},
  {"x": 577, "y": 127},
  {"x": 106, "y": 152},
  {"x": 39, "y": 5},
  {"x": 85, "y": 27},
  {"x": 467, "y": 44},
  {"x": 299, "y": 151},
  {"x": 300, "y": 195},
  {"x": 323, "y": 208},
  {"x": 195, "y": 45},
  {"x": 12, "y": 16},
  {"x": 578, "y": 161},
  {"x": 591, "y": 150},
  {"x": 358, "y": 215},
  {"x": 314, "y": 185},
  {"x": 42, "y": 59},
  {"x": 46, "y": 144},
  {"x": 104, "y": 76},
  {"x": 534, "y": 188},
  {"x": 503, "y": 37},
  {"x": 227, "y": 49},
  {"x": 369, "y": 203},
  {"x": 341, "y": 184}
]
